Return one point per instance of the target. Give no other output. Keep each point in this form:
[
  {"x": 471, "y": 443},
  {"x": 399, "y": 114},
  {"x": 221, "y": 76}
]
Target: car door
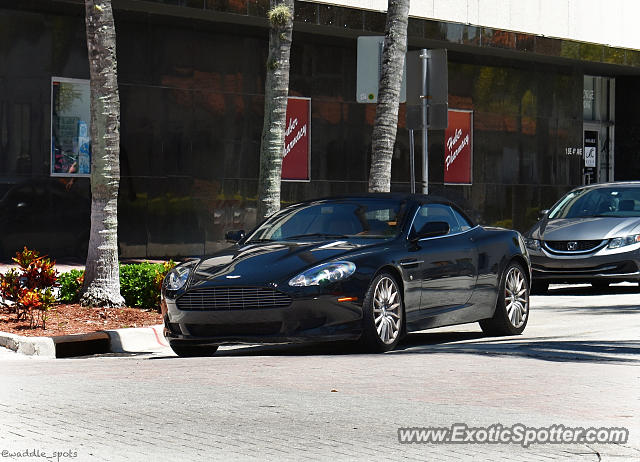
[{"x": 448, "y": 263}]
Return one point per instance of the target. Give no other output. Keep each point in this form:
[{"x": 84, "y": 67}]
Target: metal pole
[
  {"x": 425, "y": 142},
  {"x": 412, "y": 161}
]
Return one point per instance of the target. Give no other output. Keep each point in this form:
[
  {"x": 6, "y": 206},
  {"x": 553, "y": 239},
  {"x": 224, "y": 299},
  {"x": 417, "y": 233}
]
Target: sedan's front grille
[
  {"x": 573, "y": 246},
  {"x": 232, "y": 298}
]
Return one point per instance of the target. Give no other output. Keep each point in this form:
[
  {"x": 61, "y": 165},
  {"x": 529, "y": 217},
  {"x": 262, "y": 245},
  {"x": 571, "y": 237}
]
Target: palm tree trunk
[
  {"x": 275, "y": 107},
  {"x": 102, "y": 274},
  {"x": 386, "y": 122}
]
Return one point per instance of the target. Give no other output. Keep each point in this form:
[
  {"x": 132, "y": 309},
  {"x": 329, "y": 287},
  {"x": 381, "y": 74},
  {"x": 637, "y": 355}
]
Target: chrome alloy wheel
[
  {"x": 387, "y": 310},
  {"x": 516, "y": 297}
]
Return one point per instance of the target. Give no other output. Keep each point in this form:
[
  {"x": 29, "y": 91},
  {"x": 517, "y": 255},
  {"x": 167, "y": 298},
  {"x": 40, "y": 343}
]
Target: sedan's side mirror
[
  {"x": 543, "y": 213},
  {"x": 234, "y": 236},
  {"x": 432, "y": 229}
]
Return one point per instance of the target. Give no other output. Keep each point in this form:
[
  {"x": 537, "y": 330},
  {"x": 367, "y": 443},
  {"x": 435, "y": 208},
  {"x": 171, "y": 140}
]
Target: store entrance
[
  {"x": 598, "y": 129},
  {"x": 597, "y": 153}
]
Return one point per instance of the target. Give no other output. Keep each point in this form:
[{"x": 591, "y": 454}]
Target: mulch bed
[{"x": 76, "y": 319}]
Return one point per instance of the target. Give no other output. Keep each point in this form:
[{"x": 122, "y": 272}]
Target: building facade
[{"x": 543, "y": 96}]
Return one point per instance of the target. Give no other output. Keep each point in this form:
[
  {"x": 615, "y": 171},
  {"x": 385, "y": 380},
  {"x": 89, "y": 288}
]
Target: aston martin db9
[
  {"x": 592, "y": 235},
  {"x": 368, "y": 268}
]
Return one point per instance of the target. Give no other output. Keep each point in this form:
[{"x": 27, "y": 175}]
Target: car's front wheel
[
  {"x": 189, "y": 350},
  {"x": 512, "y": 308},
  {"x": 383, "y": 314}
]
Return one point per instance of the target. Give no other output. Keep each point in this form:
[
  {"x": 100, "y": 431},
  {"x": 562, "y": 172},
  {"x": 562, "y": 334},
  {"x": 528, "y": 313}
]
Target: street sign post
[
  {"x": 425, "y": 88},
  {"x": 427, "y": 101},
  {"x": 369, "y": 68}
]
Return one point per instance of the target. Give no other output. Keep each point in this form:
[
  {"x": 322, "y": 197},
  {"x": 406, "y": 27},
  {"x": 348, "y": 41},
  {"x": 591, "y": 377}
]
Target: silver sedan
[{"x": 590, "y": 235}]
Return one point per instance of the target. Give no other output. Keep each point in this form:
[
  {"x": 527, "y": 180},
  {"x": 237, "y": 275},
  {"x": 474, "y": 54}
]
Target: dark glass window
[
  {"x": 598, "y": 202},
  {"x": 437, "y": 212},
  {"x": 365, "y": 218}
]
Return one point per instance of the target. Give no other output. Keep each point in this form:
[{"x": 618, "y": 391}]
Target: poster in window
[
  {"x": 70, "y": 127},
  {"x": 296, "y": 159},
  {"x": 458, "y": 148}
]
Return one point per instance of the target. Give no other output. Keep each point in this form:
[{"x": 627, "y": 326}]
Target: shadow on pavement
[
  {"x": 582, "y": 289},
  {"x": 593, "y": 309},
  {"x": 623, "y": 351},
  {"x": 544, "y": 348}
]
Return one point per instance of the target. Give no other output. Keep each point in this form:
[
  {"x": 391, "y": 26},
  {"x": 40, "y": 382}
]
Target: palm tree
[
  {"x": 102, "y": 274},
  {"x": 386, "y": 122},
  {"x": 275, "y": 107}
]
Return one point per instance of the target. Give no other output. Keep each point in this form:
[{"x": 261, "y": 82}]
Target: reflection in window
[{"x": 70, "y": 124}]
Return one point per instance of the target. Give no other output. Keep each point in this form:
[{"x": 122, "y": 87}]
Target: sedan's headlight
[
  {"x": 532, "y": 244},
  {"x": 177, "y": 277},
  {"x": 618, "y": 242},
  {"x": 323, "y": 274}
]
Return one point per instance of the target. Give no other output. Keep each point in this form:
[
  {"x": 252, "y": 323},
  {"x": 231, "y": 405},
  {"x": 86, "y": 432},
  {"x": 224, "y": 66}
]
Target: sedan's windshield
[
  {"x": 362, "y": 218},
  {"x": 617, "y": 202}
]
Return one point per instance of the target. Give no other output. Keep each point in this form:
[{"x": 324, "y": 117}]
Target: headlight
[
  {"x": 532, "y": 244},
  {"x": 323, "y": 274},
  {"x": 177, "y": 277},
  {"x": 618, "y": 242}
]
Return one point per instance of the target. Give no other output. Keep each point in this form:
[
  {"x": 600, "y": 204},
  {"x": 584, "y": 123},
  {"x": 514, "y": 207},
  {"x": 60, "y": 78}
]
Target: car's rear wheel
[
  {"x": 512, "y": 308},
  {"x": 383, "y": 314},
  {"x": 539, "y": 288},
  {"x": 189, "y": 350}
]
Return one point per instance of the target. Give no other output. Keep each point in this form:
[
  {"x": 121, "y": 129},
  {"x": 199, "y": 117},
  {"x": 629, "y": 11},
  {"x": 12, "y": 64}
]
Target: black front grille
[
  {"x": 232, "y": 298},
  {"x": 572, "y": 246},
  {"x": 246, "y": 329}
]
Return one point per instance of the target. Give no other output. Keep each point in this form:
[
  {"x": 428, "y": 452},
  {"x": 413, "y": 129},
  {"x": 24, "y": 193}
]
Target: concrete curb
[
  {"x": 32, "y": 346},
  {"x": 128, "y": 340},
  {"x": 136, "y": 339}
]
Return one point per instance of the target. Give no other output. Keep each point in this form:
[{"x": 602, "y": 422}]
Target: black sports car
[{"x": 369, "y": 267}]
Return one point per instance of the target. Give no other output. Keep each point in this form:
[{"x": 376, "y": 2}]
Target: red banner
[
  {"x": 297, "y": 140},
  {"x": 458, "y": 150}
]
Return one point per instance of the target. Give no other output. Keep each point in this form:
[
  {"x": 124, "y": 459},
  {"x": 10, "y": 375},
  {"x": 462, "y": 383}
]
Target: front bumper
[
  {"x": 319, "y": 317},
  {"x": 603, "y": 265}
]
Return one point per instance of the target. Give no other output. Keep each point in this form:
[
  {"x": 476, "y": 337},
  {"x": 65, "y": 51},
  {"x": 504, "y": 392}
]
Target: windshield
[
  {"x": 363, "y": 218},
  {"x": 617, "y": 202}
]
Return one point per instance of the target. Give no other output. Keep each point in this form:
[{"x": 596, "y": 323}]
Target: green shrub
[
  {"x": 140, "y": 283},
  {"x": 70, "y": 286}
]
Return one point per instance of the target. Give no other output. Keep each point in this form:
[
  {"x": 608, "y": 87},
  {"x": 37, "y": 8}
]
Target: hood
[
  {"x": 257, "y": 264},
  {"x": 585, "y": 229}
]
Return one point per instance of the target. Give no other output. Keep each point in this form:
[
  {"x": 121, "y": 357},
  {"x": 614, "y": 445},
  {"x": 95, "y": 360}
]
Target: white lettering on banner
[
  {"x": 293, "y": 123},
  {"x": 451, "y": 142}
]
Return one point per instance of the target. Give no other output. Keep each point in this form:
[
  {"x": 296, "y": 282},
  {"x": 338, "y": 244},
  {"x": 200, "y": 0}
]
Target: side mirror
[
  {"x": 432, "y": 229},
  {"x": 234, "y": 236},
  {"x": 543, "y": 213}
]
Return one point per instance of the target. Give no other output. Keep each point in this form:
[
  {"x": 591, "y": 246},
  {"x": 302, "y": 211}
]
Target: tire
[
  {"x": 512, "y": 308},
  {"x": 383, "y": 314},
  {"x": 539, "y": 288},
  {"x": 186, "y": 350}
]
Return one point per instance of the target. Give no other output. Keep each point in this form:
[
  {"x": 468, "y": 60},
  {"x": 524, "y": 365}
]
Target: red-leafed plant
[{"x": 30, "y": 288}]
